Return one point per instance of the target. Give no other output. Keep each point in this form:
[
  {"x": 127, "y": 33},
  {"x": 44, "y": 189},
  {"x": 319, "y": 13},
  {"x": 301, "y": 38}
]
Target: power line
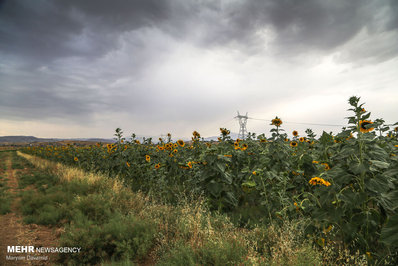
[
  {"x": 299, "y": 123},
  {"x": 313, "y": 124}
]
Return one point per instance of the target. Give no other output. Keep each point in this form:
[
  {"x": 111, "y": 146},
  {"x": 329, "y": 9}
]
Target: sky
[{"x": 82, "y": 68}]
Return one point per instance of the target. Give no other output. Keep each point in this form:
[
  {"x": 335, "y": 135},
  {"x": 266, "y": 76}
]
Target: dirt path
[{"x": 13, "y": 232}]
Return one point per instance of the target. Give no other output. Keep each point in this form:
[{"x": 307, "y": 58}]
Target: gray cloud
[
  {"x": 76, "y": 59},
  {"x": 48, "y": 30}
]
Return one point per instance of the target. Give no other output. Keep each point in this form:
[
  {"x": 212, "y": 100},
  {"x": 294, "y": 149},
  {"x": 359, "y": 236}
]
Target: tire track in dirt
[{"x": 13, "y": 232}]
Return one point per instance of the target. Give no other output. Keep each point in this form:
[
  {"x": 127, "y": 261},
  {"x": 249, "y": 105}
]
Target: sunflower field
[{"x": 346, "y": 184}]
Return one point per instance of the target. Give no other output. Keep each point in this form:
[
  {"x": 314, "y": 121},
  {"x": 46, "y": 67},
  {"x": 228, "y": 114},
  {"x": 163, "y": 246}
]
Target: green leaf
[
  {"x": 227, "y": 178},
  {"x": 249, "y": 184},
  {"x": 214, "y": 188},
  {"x": 389, "y": 200},
  {"x": 220, "y": 166},
  {"x": 380, "y": 164},
  {"x": 231, "y": 199},
  {"x": 389, "y": 233},
  {"x": 379, "y": 184}
]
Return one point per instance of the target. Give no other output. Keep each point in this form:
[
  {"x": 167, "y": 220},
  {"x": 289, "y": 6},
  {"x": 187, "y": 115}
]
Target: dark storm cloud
[{"x": 50, "y": 29}]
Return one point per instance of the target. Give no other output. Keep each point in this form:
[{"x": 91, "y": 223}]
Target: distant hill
[
  {"x": 215, "y": 138},
  {"x": 19, "y": 139},
  {"x": 5, "y": 140},
  {"x": 32, "y": 139}
]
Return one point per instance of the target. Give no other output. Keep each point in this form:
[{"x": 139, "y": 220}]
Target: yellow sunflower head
[
  {"x": 302, "y": 139},
  {"x": 364, "y": 126},
  {"x": 224, "y": 131},
  {"x": 263, "y": 140},
  {"x": 293, "y": 144},
  {"x": 276, "y": 122},
  {"x": 327, "y": 167},
  {"x": 295, "y": 133},
  {"x": 196, "y": 134},
  {"x": 181, "y": 142},
  {"x": 157, "y": 166},
  {"x": 76, "y": 159},
  {"x": 147, "y": 158}
]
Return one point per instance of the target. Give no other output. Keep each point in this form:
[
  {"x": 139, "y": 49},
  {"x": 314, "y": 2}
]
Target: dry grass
[{"x": 68, "y": 173}]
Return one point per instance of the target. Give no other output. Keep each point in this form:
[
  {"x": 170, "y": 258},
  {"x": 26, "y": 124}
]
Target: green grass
[
  {"x": 5, "y": 197},
  {"x": 120, "y": 238},
  {"x": 19, "y": 162}
]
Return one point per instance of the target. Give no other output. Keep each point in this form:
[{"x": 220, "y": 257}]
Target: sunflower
[
  {"x": 169, "y": 146},
  {"x": 276, "y": 122},
  {"x": 293, "y": 144},
  {"x": 181, "y": 142},
  {"x": 76, "y": 159},
  {"x": 157, "y": 166},
  {"x": 137, "y": 142},
  {"x": 295, "y": 133},
  {"x": 244, "y": 147},
  {"x": 196, "y": 134},
  {"x": 327, "y": 167},
  {"x": 254, "y": 173},
  {"x": 128, "y": 165},
  {"x": 161, "y": 148},
  {"x": 147, "y": 158},
  {"x": 302, "y": 139},
  {"x": 363, "y": 126},
  {"x": 263, "y": 140},
  {"x": 396, "y": 129},
  {"x": 189, "y": 164},
  {"x": 319, "y": 181},
  {"x": 228, "y": 155}
]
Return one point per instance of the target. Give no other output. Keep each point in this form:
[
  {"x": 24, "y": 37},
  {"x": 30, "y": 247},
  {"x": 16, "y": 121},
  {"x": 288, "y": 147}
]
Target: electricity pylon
[{"x": 242, "y": 124}]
